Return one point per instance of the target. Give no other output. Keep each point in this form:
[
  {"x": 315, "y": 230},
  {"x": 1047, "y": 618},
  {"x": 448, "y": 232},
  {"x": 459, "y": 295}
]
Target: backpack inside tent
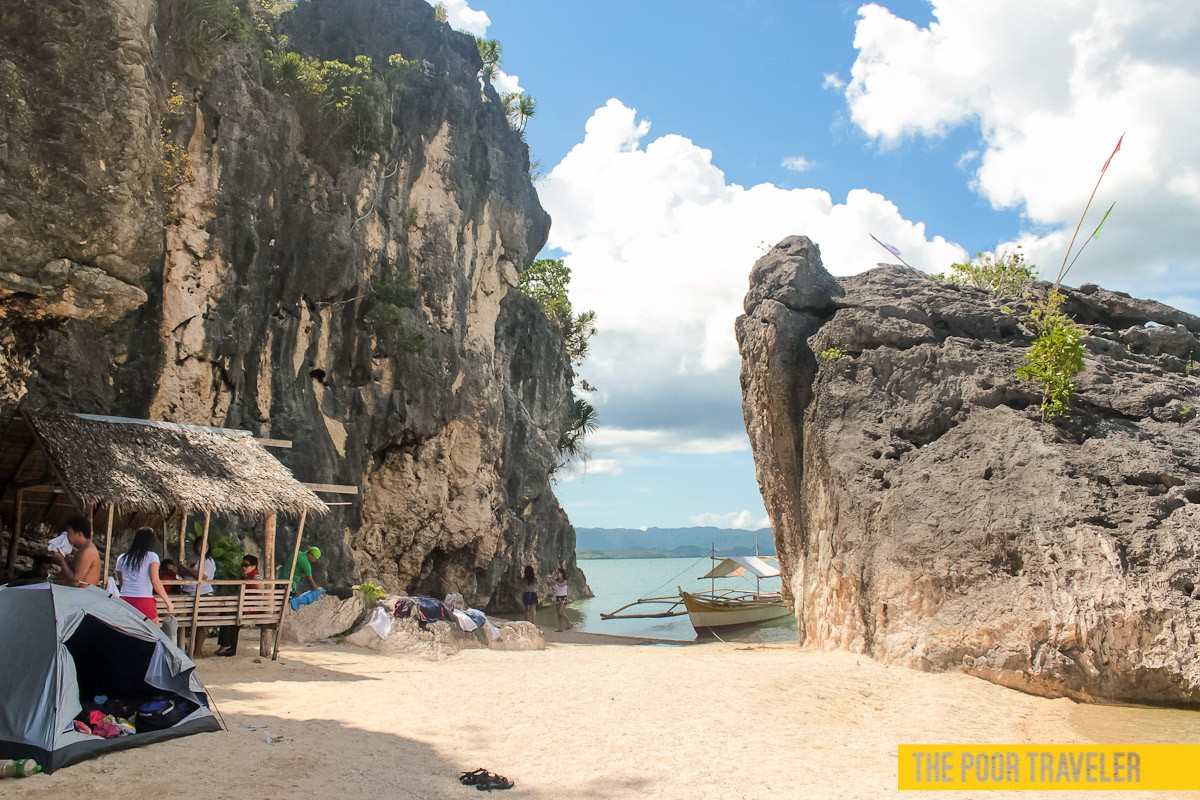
[{"x": 77, "y": 645}]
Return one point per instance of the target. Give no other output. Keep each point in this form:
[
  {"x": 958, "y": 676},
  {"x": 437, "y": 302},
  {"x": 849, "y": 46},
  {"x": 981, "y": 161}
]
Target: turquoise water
[{"x": 616, "y": 582}]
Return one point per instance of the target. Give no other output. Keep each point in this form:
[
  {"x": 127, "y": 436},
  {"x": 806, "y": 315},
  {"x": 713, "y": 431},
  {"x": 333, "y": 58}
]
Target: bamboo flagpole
[
  {"x": 291, "y": 578},
  {"x": 893, "y": 250},
  {"x": 1095, "y": 235},
  {"x": 1062, "y": 270}
]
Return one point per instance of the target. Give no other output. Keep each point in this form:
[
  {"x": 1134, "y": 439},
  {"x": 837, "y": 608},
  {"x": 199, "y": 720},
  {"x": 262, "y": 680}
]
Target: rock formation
[
  {"x": 178, "y": 245},
  {"x": 925, "y": 514}
]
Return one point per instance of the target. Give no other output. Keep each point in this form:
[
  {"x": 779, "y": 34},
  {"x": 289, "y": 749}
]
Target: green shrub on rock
[{"x": 1055, "y": 357}]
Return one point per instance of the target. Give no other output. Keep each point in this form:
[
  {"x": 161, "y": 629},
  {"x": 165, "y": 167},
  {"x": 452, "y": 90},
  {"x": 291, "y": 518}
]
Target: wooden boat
[{"x": 718, "y": 609}]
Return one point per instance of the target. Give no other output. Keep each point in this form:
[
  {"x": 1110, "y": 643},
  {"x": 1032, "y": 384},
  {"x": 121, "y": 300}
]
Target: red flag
[{"x": 1114, "y": 152}]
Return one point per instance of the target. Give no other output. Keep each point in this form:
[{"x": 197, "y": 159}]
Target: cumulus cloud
[
  {"x": 797, "y": 163},
  {"x": 594, "y": 466},
  {"x": 462, "y": 17},
  {"x": 1051, "y": 86},
  {"x": 660, "y": 245},
  {"x": 741, "y": 520},
  {"x": 833, "y": 81}
]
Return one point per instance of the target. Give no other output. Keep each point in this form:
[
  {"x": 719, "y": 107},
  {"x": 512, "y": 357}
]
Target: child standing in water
[
  {"x": 559, "y": 582},
  {"x": 529, "y": 595}
]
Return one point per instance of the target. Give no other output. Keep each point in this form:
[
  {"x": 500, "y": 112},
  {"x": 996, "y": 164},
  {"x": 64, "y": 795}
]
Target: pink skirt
[{"x": 146, "y": 605}]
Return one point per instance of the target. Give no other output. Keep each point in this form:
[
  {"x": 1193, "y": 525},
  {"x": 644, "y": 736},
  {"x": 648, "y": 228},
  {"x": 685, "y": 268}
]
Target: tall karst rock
[
  {"x": 191, "y": 234},
  {"x": 925, "y": 514}
]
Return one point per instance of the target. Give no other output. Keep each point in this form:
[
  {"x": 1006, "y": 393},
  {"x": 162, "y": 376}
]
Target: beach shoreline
[{"x": 583, "y": 718}]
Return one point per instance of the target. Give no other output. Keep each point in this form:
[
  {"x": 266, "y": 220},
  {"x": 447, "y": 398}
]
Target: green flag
[{"x": 1096, "y": 234}]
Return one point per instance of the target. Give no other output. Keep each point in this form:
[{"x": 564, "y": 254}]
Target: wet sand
[{"x": 586, "y": 718}]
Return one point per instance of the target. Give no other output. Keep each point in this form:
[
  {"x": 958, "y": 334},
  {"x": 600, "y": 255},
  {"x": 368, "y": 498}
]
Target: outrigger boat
[{"x": 719, "y": 609}]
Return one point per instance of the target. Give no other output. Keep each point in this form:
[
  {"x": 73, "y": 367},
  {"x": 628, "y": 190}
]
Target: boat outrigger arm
[{"x": 674, "y": 601}]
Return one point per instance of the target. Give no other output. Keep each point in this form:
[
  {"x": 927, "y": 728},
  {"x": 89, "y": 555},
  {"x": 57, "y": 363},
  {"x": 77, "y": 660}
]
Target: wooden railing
[{"x": 257, "y": 603}]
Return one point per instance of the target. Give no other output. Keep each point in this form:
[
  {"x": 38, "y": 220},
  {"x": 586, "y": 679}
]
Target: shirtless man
[{"x": 84, "y": 567}]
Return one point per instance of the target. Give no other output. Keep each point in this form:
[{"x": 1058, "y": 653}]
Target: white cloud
[
  {"x": 833, "y": 81},
  {"x": 740, "y": 520},
  {"x": 506, "y": 83},
  {"x": 1051, "y": 87},
  {"x": 660, "y": 245},
  {"x": 797, "y": 163},
  {"x": 665, "y": 441},
  {"x": 462, "y": 17},
  {"x": 593, "y": 466}
]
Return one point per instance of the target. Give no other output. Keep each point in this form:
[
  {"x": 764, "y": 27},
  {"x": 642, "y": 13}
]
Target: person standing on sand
[
  {"x": 84, "y": 567},
  {"x": 204, "y": 568},
  {"x": 529, "y": 595},
  {"x": 137, "y": 572},
  {"x": 559, "y": 582}
]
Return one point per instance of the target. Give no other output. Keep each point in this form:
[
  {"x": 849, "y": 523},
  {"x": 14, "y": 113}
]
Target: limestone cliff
[
  {"x": 180, "y": 243},
  {"x": 925, "y": 515}
]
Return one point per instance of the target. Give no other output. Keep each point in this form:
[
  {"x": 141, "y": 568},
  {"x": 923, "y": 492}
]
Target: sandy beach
[{"x": 581, "y": 720}]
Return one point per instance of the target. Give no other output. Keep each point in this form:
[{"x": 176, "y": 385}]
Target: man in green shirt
[{"x": 303, "y": 580}]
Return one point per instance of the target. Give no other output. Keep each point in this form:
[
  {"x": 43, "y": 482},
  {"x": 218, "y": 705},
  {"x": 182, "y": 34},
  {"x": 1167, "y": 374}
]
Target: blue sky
[{"x": 670, "y": 134}]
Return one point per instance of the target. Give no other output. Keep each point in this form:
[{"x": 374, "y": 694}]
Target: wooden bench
[{"x": 257, "y": 603}]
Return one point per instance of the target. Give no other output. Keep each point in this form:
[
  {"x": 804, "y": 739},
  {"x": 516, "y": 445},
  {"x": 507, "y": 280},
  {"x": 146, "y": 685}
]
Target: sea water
[{"x": 618, "y": 581}]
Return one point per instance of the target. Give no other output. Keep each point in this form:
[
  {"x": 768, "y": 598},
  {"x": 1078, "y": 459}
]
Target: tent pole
[
  {"x": 291, "y": 577},
  {"x": 108, "y": 542},
  {"x": 199, "y": 583},
  {"x": 269, "y": 528},
  {"x": 16, "y": 536}
]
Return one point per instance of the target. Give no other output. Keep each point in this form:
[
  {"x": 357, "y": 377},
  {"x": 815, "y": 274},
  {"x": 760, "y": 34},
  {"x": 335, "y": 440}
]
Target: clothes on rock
[{"x": 311, "y": 596}]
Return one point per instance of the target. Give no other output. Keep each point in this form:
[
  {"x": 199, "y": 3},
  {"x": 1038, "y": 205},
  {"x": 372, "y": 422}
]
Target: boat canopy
[{"x": 736, "y": 565}]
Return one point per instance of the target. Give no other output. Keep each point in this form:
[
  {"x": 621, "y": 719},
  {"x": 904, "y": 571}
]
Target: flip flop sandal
[
  {"x": 473, "y": 777},
  {"x": 494, "y": 782}
]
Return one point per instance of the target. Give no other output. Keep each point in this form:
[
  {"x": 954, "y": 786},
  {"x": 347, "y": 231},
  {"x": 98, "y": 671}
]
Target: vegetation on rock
[
  {"x": 1055, "y": 357},
  {"x": 1005, "y": 274},
  {"x": 832, "y": 354},
  {"x": 200, "y": 29},
  {"x": 390, "y": 295},
  {"x": 175, "y": 167}
]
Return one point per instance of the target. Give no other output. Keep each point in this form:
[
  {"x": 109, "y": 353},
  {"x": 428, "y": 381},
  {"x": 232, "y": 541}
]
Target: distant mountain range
[{"x": 670, "y": 542}]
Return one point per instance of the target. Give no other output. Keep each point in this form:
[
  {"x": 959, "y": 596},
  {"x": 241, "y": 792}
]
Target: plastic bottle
[{"x": 21, "y": 768}]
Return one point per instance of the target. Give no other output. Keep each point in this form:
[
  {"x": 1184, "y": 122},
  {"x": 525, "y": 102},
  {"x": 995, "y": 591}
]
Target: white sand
[{"x": 581, "y": 721}]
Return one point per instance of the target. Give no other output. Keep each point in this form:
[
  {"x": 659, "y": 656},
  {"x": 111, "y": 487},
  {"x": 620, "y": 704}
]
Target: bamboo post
[
  {"x": 269, "y": 528},
  {"x": 199, "y": 583},
  {"x": 182, "y": 536},
  {"x": 108, "y": 542},
  {"x": 16, "y": 536},
  {"x": 291, "y": 577}
]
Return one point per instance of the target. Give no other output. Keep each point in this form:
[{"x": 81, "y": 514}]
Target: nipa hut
[{"x": 137, "y": 472}]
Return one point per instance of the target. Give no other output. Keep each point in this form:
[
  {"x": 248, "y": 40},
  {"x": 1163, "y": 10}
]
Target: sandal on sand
[
  {"x": 494, "y": 782},
  {"x": 473, "y": 777}
]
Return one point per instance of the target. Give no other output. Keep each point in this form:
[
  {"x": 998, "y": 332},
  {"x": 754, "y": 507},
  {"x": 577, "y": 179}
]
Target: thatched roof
[{"x": 153, "y": 468}]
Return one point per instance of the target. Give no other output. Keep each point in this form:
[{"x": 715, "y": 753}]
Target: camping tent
[{"x": 67, "y": 643}]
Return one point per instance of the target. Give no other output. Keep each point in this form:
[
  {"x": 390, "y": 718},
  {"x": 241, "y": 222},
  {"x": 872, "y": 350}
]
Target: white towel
[
  {"x": 61, "y": 544},
  {"x": 464, "y": 622}
]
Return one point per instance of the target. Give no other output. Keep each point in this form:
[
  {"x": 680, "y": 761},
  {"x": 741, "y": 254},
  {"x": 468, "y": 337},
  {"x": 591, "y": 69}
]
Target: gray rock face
[
  {"x": 925, "y": 515},
  {"x": 262, "y": 279}
]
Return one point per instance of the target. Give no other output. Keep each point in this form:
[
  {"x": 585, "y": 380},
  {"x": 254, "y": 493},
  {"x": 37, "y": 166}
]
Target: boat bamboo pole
[
  {"x": 199, "y": 583},
  {"x": 16, "y": 536},
  {"x": 291, "y": 577},
  {"x": 108, "y": 542}
]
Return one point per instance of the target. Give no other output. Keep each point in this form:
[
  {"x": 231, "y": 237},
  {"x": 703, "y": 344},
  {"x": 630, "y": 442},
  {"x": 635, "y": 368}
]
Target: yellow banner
[{"x": 1139, "y": 767}]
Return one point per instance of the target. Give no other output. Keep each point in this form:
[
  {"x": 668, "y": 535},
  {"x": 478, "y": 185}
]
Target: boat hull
[{"x": 710, "y": 614}]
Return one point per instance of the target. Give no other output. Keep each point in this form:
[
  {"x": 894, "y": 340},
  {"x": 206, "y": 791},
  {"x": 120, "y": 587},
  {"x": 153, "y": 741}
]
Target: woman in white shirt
[{"x": 137, "y": 573}]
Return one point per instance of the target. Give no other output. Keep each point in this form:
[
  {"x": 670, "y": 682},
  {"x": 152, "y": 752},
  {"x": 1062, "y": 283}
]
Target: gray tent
[{"x": 64, "y": 643}]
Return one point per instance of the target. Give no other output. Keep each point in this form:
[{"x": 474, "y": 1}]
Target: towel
[{"x": 61, "y": 544}]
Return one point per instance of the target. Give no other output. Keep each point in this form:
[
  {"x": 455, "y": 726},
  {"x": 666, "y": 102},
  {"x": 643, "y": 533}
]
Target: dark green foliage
[
  {"x": 200, "y": 29},
  {"x": 546, "y": 281},
  {"x": 390, "y": 295},
  {"x": 1055, "y": 357},
  {"x": 583, "y": 422}
]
